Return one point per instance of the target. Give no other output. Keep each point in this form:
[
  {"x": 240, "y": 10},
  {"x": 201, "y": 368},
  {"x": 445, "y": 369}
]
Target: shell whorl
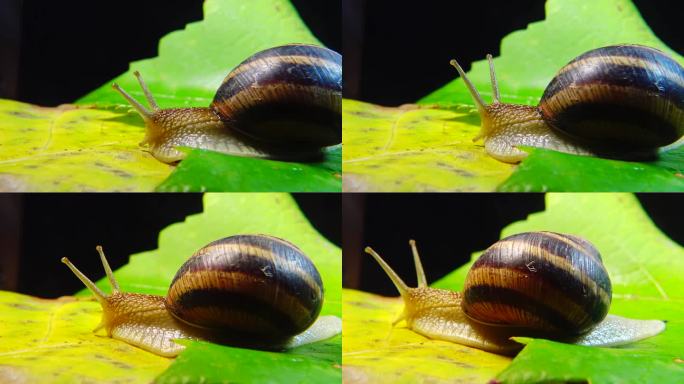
[
  {"x": 286, "y": 95},
  {"x": 248, "y": 285},
  {"x": 623, "y": 97},
  {"x": 542, "y": 281}
]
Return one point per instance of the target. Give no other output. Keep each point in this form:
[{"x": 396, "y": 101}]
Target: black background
[
  {"x": 51, "y": 226},
  {"x": 53, "y": 52},
  {"x": 396, "y": 52},
  {"x": 447, "y": 229}
]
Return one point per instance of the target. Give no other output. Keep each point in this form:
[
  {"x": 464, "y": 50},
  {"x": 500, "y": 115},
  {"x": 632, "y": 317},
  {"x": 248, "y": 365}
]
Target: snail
[
  {"x": 622, "y": 101},
  {"x": 283, "y": 103},
  {"x": 538, "y": 284},
  {"x": 248, "y": 290}
]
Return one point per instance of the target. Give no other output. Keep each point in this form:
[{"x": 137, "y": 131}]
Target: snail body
[
  {"x": 250, "y": 290},
  {"x": 283, "y": 103},
  {"x": 622, "y": 101},
  {"x": 538, "y": 284}
]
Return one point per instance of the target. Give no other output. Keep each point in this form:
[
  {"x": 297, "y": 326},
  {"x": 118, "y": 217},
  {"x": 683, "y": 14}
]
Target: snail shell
[
  {"x": 541, "y": 281},
  {"x": 622, "y": 101},
  {"x": 629, "y": 97},
  {"x": 286, "y": 95},
  {"x": 248, "y": 284}
]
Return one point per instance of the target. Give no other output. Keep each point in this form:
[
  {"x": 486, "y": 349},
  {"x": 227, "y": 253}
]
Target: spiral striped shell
[
  {"x": 289, "y": 95},
  {"x": 541, "y": 281},
  {"x": 623, "y": 97},
  {"x": 248, "y": 285}
]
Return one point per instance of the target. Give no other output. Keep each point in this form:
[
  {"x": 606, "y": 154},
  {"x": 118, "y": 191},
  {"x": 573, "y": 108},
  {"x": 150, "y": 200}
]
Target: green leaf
[
  {"x": 547, "y": 170},
  {"x": 190, "y": 66},
  {"x": 528, "y": 61},
  {"x": 314, "y": 363},
  {"x": 646, "y": 270},
  {"x": 212, "y": 171},
  {"x": 226, "y": 215},
  {"x": 35, "y": 331},
  {"x": 376, "y": 352},
  {"x": 596, "y": 365},
  {"x": 47, "y": 341},
  {"x": 231, "y": 31},
  {"x": 73, "y": 149},
  {"x": 413, "y": 148},
  {"x": 531, "y": 57},
  {"x": 647, "y": 273},
  {"x": 192, "y": 63}
]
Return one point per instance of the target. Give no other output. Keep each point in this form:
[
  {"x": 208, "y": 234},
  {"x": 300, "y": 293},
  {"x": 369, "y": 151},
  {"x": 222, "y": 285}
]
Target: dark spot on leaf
[
  {"x": 463, "y": 173},
  {"x": 22, "y": 307},
  {"x": 102, "y": 357},
  {"x": 121, "y": 365},
  {"x": 24, "y": 115},
  {"x": 364, "y": 114},
  {"x": 451, "y": 360},
  {"x": 123, "y": 156},
  {"x": 114, "y": 171},
  {"x": 363, "y": 304},
  {"x": 121, "y": 173},
  {"x": 372, "y": 359}
]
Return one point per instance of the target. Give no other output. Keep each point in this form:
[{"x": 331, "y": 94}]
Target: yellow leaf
[
  {"x": 373, "y": 351},
  {"x": 52, "y": 341},
  {"x": 71, "y": 148},
  {"x": 415, "y": 148}
]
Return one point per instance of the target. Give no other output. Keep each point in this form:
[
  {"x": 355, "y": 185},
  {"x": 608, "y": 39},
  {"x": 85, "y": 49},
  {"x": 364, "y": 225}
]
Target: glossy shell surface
[
  {"x": 624, "y": 97},
  {"x": 248, "y": 285},
  {"x": 541, "y": 281},
  {"x": 289, "y": 95}
]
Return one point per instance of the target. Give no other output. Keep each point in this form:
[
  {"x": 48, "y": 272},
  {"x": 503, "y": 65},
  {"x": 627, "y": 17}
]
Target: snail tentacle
[
  {"x": 99, "y": 295},
  {"x": 108, "y": 270},
  {"x": 146, "y": 90},
  {"x": 142, "y": 111},
  {"x": 496, "y": 96},
  {"x": 398, "y": 282},
  {"x": 420, "y": 273}
]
